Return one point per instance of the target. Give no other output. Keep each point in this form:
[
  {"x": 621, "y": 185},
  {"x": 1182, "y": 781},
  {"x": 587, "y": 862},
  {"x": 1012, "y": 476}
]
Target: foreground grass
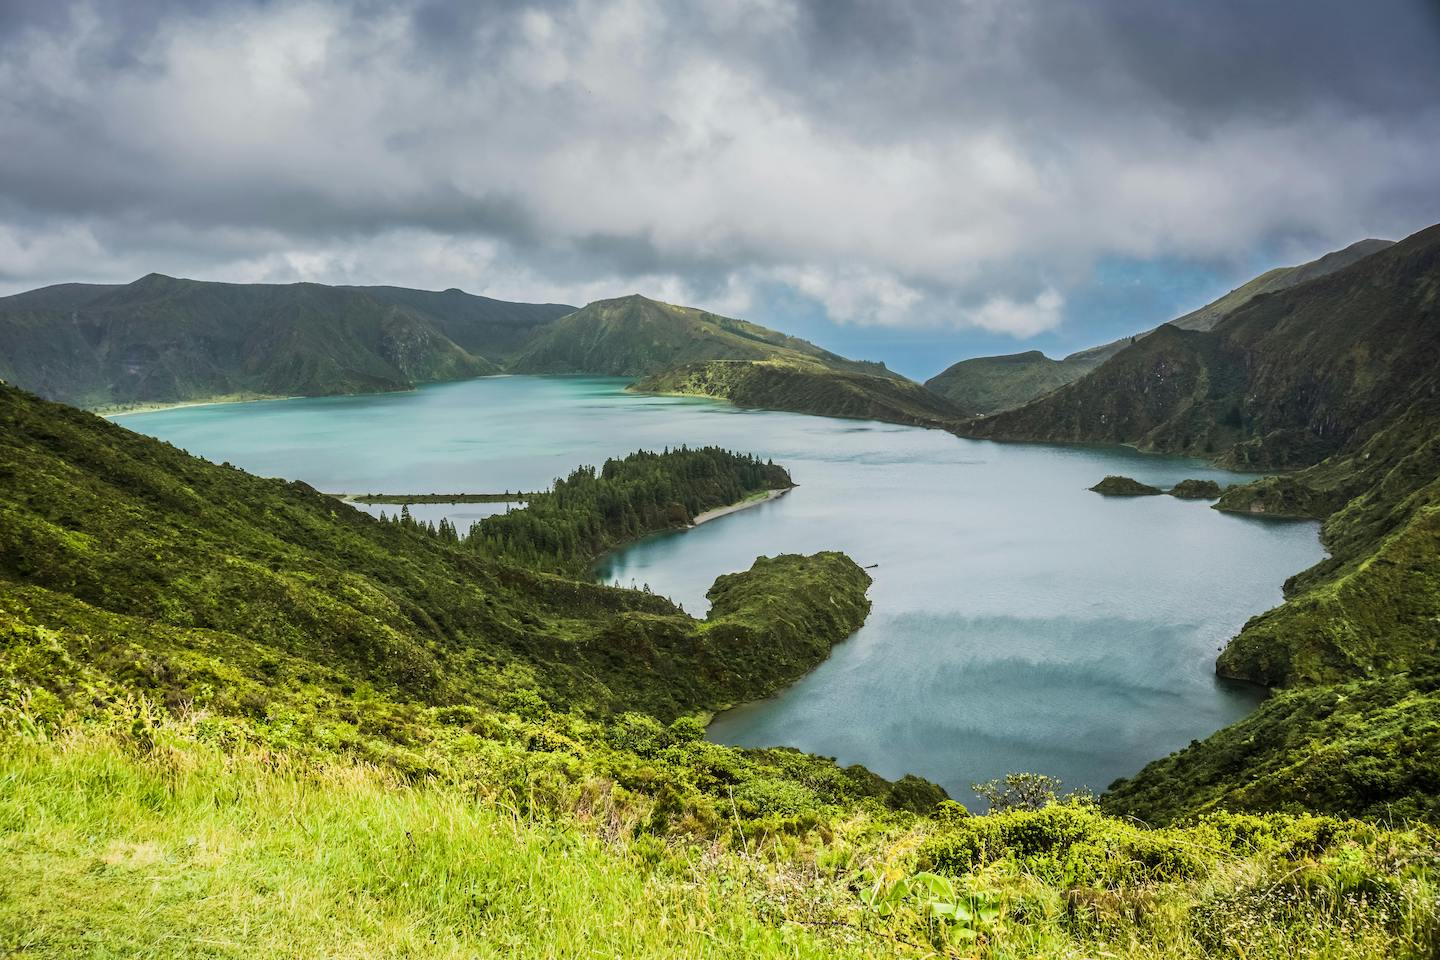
[
  {"x": 117, "y": 845},
  {"x": 186, "y": 853}
]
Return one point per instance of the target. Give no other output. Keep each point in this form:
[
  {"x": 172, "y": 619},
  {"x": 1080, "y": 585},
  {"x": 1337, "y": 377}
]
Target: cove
[{"x": 1019, "y": 621}]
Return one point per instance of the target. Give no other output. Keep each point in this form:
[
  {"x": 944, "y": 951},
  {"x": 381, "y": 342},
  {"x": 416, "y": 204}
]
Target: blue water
[{"x": 1020, "y": 622}]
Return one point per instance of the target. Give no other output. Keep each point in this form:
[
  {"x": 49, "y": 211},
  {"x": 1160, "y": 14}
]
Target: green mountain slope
[
  {"x": 1367, "y": 748},
  {"x": 1285, "y": 381},
  {"x": 242, "y": 718},
  {"x": 193, "y": 660},
  {"x": 992, "y": 384},
  {"x": 162, "y": 340},
  {"x": 1272, "y": 281},
  {"x": 635, "y": 337},
  {"x": 988, "y": 384},
  {"x": 116, "y": 534},
  {"x": 1339, "y": 376},
  {"x": 806, "y": 387},
  {"x": 493, "y": 329}
]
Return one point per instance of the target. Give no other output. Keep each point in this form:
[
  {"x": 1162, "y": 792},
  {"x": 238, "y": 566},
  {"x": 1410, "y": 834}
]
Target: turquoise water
[
  {"x": 460, "y": 514},
  {"x": 1020, "y": 622}
]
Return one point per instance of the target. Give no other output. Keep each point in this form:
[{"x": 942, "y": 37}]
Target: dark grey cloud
[{"x": 905, "y": 162}]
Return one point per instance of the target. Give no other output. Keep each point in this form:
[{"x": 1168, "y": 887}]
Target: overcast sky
[{"x": 907, "y": 181}]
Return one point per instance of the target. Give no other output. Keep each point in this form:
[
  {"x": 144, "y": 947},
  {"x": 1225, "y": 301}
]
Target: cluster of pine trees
[
  {"x": 445, "y": 530},
  {"x": 592, "y": 510}
]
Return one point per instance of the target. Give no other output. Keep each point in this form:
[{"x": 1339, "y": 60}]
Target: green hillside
[
  {"x": 241, "y": 719},
  {"x": 988, "y": 384},
  {"x": 991, "y": 384},
  {"x": 140, "y": 543},
  {"x": 805, "y": 386},
  {"x": 1285, "y": 381},
  {"x": 1338, "y": 377},
  {"x": 493, "y": 329},
  {"x": 164, "y": 340},
  {"x": 635, "y": 336},
  {"x": 1272, "y": 281}
]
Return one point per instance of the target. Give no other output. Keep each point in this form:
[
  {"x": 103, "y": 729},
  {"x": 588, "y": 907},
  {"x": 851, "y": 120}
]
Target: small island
[
  {"x": 1116, "y": 486},
  {"x": 1196, "y": 490}
]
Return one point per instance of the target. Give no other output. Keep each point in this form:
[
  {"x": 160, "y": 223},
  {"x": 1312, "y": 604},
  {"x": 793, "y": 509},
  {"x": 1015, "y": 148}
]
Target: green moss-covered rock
[
  {"x": 1117, "y": 486},
  {"x": 1196, "y": 490},
  {"x": 1278, "y": 497}
]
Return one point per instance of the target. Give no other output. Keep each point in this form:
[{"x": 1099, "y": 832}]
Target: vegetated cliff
[
  {"x": 160, "y": 339},
  {"x": 1284, "y": 381},
  {"x": 635, "y": 336},
  {"x": 1363, "y": 748},
  {"x": 803, "y": 386},
  {"x": 1340, "y": 376},
  {"x": 105, "y": 531},
  {"x": 992, "y": 384},
  {"x": 187, "y": 650}
]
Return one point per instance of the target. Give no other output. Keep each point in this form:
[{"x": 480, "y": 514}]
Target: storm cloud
[{"x": 910, "y": 164}]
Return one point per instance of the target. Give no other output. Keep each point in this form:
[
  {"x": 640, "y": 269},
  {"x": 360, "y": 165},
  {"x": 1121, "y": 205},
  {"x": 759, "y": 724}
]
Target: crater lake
[{"x": 1019, "y": 621}]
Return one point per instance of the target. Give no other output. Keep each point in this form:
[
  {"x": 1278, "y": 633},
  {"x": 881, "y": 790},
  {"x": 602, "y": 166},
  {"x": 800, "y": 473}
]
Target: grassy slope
[
  {"x": 192, "y": 661},
  {"x": 1366, "y": 748},
  {"x": 1273, "y": 281},
  {"x": 493, "y": 329},
  {"x": 162, "y": 843},
  {"x": 165, "y": 340},
  {"x": 806, "y": 387},
  {"x": 636, "y": 336},
  {"x": 196, "y": 855},
  {"x": 100, "y": 523},
  {"x": 990, "y": 384}
]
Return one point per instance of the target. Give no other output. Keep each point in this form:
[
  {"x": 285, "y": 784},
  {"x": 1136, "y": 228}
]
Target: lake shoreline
[
  {"x": 746, "y": 504},
  {"x": 1006, "y": 590},
  {"x": 109, "y": 413}
]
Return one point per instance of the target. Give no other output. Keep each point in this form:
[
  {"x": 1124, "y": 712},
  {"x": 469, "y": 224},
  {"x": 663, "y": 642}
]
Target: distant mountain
[
  {"x": 635, "y": 336},
  {"x": 805, "y": 386},
  {"x": 493, "y": 329},
  {"x": 993, "y": 384},
  {"x": 1281, "y": 278},
  {"x": 988, "y": 384},
  {"x": 160, "y": 339},
  {"x": 1284, "y": 381}
]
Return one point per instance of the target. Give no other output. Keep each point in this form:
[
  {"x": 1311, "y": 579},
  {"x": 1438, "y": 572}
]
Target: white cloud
[
  {"x": 578, "y": 149},
  {"x": 1019, "y": 319}
]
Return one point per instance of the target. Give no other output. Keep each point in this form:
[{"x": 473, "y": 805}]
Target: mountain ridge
[
  {"x": 802, "y": 387},
  {"x": 994, "y": 384},
  {"x": 635, "y": 336},
  {"x": 163, "y": 339}
]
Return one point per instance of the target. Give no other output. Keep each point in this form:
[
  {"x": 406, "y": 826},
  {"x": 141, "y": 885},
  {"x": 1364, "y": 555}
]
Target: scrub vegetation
[{"x": 240, "y": 718}]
